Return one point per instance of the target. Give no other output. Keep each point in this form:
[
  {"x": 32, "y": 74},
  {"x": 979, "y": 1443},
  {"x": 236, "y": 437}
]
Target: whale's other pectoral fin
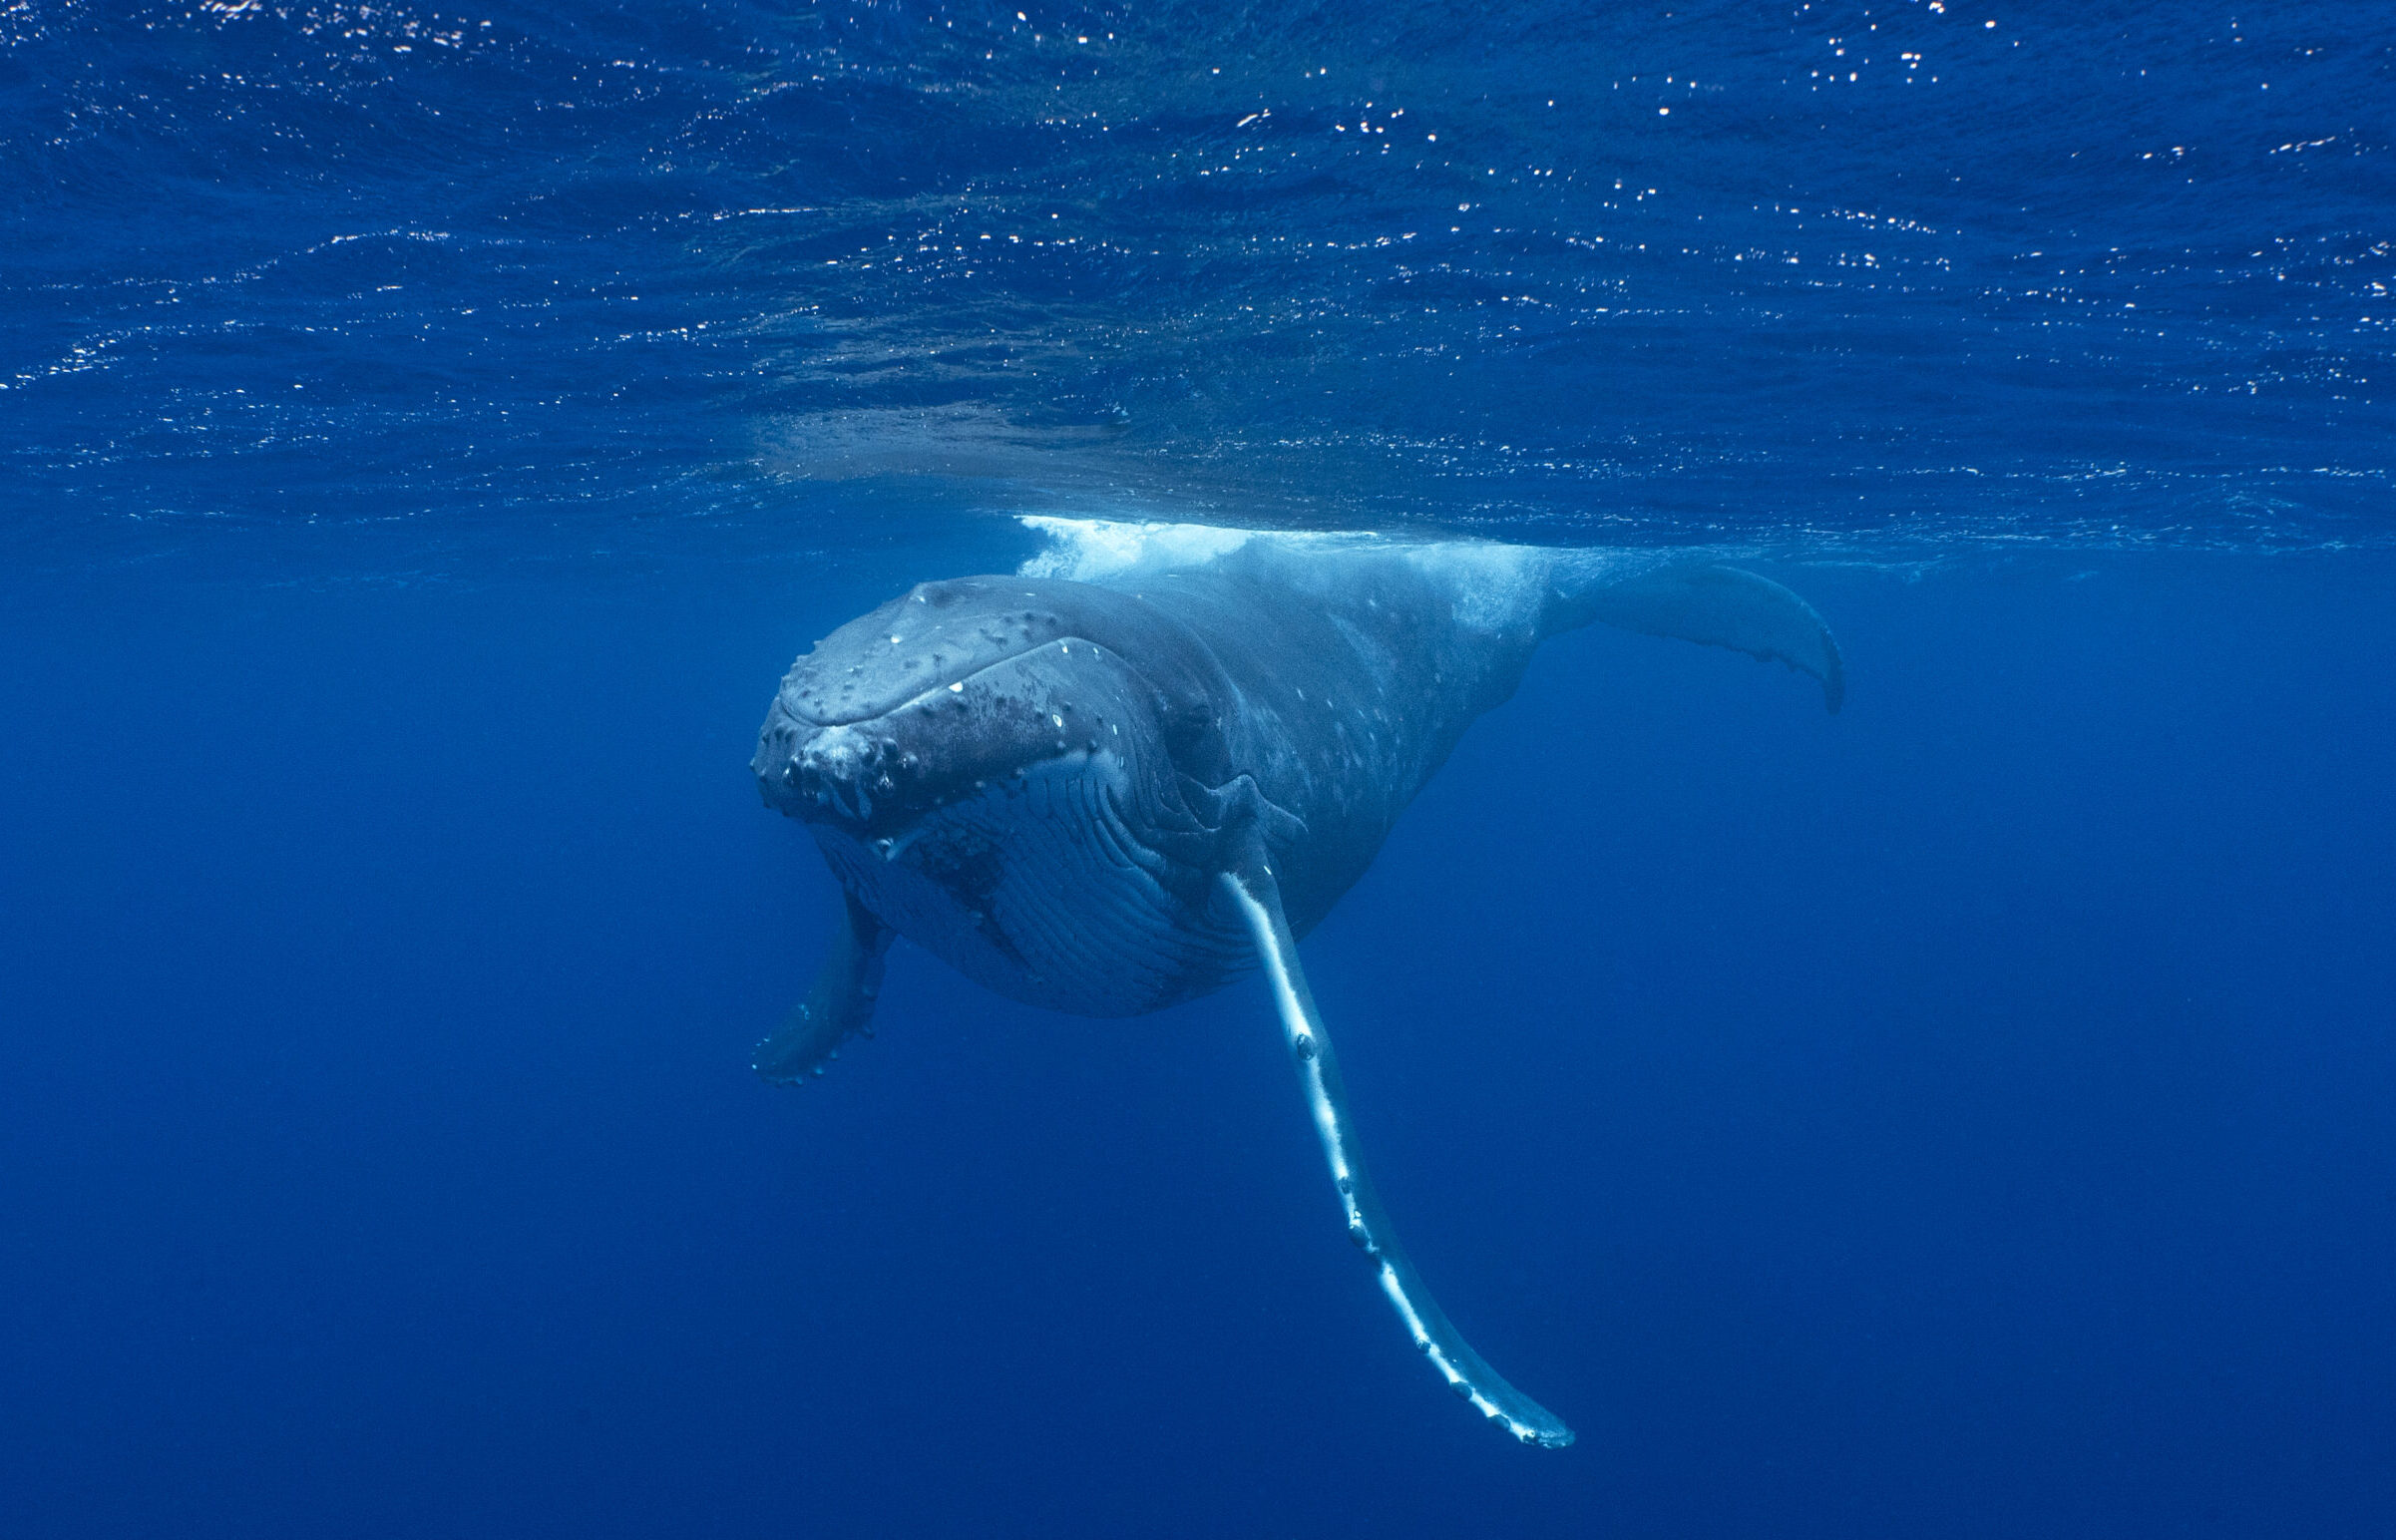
[
  {"x": 1258, "y": 898},
  {"x": 840, "y": 1004},
  {"x": 1724, "y": 607}
]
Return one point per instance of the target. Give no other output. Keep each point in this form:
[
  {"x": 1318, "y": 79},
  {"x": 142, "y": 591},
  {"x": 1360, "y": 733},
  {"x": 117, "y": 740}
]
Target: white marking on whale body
[
  {"x": 1405, "y": 1311},
  {"x": 1303, "y": 1030}
]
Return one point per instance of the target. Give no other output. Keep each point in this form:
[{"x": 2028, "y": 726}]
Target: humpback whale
[{"x": 1151, "y": 762}]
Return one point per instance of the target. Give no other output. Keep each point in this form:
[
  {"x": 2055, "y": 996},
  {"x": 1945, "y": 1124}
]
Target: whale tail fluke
[{"x": 1721, "y": 606}]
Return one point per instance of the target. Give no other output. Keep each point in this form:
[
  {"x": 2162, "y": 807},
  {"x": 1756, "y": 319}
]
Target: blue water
[{"x": 427, "y": 436}]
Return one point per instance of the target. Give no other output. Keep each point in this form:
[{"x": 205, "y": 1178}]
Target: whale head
[{"x": 994, "y": 765}]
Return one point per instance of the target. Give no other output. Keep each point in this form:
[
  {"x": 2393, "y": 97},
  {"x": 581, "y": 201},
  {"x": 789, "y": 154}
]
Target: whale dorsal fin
[{"x": 1722, "y": 606}]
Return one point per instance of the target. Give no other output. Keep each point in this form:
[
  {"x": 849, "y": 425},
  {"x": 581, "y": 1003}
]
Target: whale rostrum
[{"x": 1150, "y": 763}]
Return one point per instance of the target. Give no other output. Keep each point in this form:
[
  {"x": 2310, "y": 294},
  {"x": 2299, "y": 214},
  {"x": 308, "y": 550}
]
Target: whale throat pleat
[{"x": 1067, "y": 909}]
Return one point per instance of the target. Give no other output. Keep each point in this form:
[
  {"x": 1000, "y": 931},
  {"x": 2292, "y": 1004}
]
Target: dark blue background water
[{"x": 426, "y": 441}]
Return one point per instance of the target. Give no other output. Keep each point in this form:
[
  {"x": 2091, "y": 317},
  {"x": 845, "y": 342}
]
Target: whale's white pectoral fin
[
  {"x": 839, "y": 1005},
  {"x": 1258, "y": 898},
  {"x": 1723, "y": 606}
]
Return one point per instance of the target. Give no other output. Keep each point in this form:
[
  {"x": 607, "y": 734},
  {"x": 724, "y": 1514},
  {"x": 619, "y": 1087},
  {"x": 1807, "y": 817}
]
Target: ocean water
[{"x": 426, "y": 438}]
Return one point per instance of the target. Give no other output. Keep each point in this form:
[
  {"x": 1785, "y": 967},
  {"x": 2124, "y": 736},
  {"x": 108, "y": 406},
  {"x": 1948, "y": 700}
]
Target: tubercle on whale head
[
  {"x": 934, "y": 634},
  {"x": 957, "y": 684},
  {"x": 880, "y": 776}
]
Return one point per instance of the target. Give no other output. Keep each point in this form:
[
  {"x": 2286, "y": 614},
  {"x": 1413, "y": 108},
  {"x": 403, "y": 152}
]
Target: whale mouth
[
  {"x": 835, "y": 771},
  {"x": 984, "y": 719},
  {"x": 854, "y": 769}
]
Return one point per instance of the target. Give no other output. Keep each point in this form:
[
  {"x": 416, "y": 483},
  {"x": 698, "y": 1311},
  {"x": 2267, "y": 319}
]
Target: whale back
[{"x": 1354, "y": 669}]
